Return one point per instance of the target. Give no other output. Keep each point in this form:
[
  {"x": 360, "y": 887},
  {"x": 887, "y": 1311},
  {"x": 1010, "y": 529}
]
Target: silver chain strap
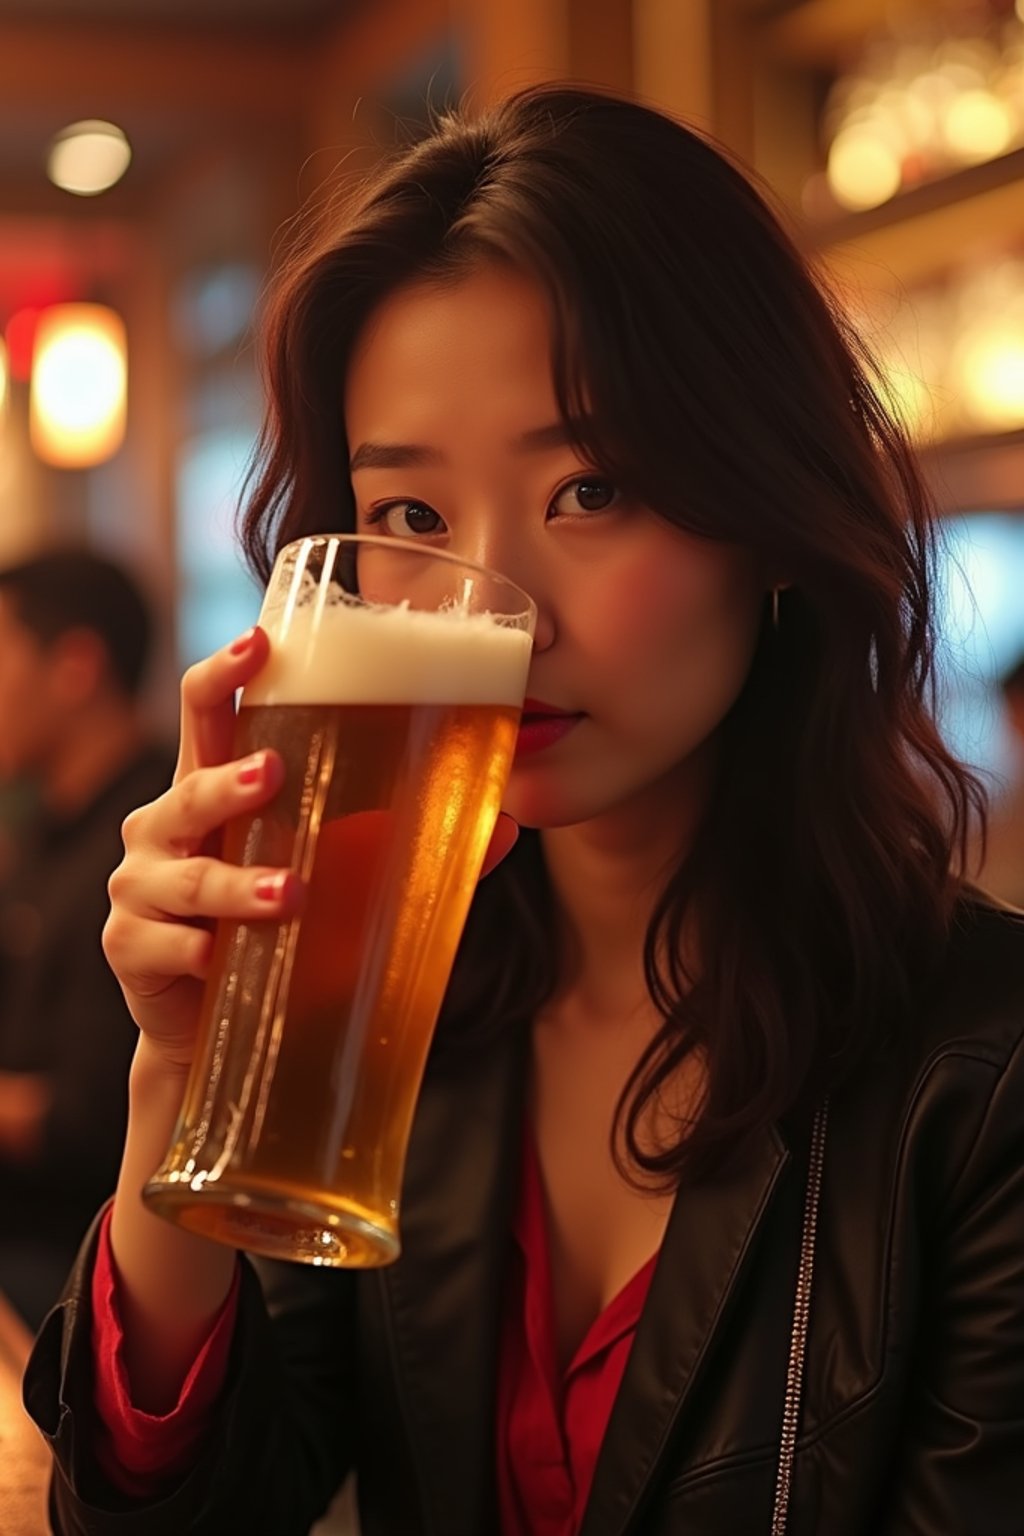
[{"x": 801, "y": 1317}]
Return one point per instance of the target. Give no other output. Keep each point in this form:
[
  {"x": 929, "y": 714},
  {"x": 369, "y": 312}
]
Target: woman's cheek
[{"x": 660, "y": 600}]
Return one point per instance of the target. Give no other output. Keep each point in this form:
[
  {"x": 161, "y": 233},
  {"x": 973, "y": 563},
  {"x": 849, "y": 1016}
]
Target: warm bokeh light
[
  {"x": 950, "y": 355},
  {"x": 4, "y": 374},
  {"x": 991, "y": 367},
  {"x": 911, "y": 109},
  {"x": 88, "y": 157},
  {"x": 977, "y": 126},
  {"x": 79, "y": 381},
  {"x": 910, "y": 398},
  {"x": 863, "y": 171},
  {"x": 21, "y": 339}
]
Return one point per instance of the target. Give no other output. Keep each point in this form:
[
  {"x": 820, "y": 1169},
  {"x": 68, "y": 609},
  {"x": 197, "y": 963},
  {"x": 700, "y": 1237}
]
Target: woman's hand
[{"x": 170, "y": 886}]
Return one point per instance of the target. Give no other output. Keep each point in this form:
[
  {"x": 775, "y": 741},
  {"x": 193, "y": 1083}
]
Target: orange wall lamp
[{"x": 78, "y": 389}]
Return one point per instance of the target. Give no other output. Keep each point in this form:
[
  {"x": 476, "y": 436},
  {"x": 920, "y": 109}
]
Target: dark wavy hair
[{"x": 699, "y": 364}]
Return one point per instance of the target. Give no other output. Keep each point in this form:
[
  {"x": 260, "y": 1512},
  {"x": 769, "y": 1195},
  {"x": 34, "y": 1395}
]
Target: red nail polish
[
  {"x": 251, "y": 769},
  {"x": 271, "y": 887},
  {"x": 241, "y": 645}
]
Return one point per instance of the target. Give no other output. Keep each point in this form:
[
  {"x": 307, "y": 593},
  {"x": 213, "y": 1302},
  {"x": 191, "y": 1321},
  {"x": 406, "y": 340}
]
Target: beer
[{"x": 397, "y": 728}]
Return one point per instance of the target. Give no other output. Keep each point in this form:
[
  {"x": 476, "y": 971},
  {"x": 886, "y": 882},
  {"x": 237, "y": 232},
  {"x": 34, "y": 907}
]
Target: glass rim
[{"x": 381, "y": 542}]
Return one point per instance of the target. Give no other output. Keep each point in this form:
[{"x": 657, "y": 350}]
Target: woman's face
[{"x": 644, "y": 633}]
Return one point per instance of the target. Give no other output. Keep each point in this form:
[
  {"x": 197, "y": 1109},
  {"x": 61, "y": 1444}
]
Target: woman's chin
[{"x": 548, "y": 806}]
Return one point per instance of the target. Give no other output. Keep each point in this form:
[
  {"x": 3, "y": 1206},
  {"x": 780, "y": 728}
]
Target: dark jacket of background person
[
  {"x": 62, "y": 1015},
  {"x": 912, "y": 1420},
  {"x": 74, "y": 637}
]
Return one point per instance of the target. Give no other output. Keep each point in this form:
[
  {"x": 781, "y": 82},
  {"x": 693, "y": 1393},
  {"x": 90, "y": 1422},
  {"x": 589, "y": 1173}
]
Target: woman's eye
[
  {"x": 405, "y": 519},
  {"x": 590, "y": 493}
]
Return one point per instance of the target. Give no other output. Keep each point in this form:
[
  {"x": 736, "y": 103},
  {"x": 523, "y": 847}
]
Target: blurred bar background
[{"x": 891, "y": 130}]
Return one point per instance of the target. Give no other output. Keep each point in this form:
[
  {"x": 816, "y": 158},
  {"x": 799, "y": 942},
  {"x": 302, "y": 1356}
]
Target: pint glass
[{"x": 392, "y": 691}]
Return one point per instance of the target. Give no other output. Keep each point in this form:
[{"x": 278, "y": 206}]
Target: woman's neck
[{"x": 606, "y": 877}]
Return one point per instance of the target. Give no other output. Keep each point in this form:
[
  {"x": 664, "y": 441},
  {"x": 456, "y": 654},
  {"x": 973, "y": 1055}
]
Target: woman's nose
[
  {"x": 528, "y": 580},
  {"x": 497, "y": 554},
  {"x": 544, "y": 634}
]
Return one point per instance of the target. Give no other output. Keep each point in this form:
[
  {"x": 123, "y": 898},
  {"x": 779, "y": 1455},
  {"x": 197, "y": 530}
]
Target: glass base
[{"x": 277, "y": 1226}]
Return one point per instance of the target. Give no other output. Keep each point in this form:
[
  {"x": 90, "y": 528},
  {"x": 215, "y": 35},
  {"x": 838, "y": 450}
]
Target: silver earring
[{"x": 775, "y": 607}]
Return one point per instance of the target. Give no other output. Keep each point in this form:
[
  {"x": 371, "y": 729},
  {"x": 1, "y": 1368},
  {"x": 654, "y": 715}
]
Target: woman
[{"x": 721, "y": 1150}]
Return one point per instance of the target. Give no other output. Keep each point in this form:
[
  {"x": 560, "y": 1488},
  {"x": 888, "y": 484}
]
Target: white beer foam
[{"x": 349, "y": 654}]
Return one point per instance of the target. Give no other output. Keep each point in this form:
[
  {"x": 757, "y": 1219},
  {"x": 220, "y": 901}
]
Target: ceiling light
[{"x": 88, "y": 157}]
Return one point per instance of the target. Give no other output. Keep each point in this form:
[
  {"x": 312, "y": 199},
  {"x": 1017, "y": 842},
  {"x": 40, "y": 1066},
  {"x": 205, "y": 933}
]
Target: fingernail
[
  {"x": 251, "y": 769},
  {"x": 271, "y": 887},
  {"x": 241, "y": 645}
]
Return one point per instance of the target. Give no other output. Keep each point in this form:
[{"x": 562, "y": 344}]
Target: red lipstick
[{"x": 542, "y": 725}]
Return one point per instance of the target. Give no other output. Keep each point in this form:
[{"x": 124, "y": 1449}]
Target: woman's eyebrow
[
  {"x": 414, "y": 455},
  {"x": 555, "y": 435},
  {"x": 393, "y": 456}
]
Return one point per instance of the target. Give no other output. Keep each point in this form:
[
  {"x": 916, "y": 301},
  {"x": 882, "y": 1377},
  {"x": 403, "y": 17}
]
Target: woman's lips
[{"x": 542, "y": 728}]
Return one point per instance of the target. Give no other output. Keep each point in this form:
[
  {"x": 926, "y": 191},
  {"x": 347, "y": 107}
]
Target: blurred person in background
[
  {"x": 75, "y": 635},
  {"x": 1003, "y": 870}
]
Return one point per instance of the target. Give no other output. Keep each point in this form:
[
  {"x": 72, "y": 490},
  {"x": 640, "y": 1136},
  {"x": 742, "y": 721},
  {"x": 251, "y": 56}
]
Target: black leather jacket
[{"x": 913, "y": 1406}]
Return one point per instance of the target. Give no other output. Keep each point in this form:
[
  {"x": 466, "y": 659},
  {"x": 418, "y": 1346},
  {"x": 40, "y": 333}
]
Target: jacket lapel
[
  {"x": 444, "y": 1295},
  {"x": 711, "y": 1231}
]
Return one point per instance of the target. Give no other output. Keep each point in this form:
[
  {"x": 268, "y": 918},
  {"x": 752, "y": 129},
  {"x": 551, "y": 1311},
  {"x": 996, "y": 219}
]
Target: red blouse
[{"x": 549, "y": 1426}]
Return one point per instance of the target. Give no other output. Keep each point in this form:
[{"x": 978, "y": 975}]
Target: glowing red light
[{"x": 21, "y": 339}]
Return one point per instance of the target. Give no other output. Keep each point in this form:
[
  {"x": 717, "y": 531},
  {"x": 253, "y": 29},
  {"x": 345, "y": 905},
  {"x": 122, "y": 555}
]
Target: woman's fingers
[
  {"x": 149, "y": 957},
  {"x": 204, "y": 888},
  {"x": 201, "y": 802},
  {"x": 208, "y": 700}
]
